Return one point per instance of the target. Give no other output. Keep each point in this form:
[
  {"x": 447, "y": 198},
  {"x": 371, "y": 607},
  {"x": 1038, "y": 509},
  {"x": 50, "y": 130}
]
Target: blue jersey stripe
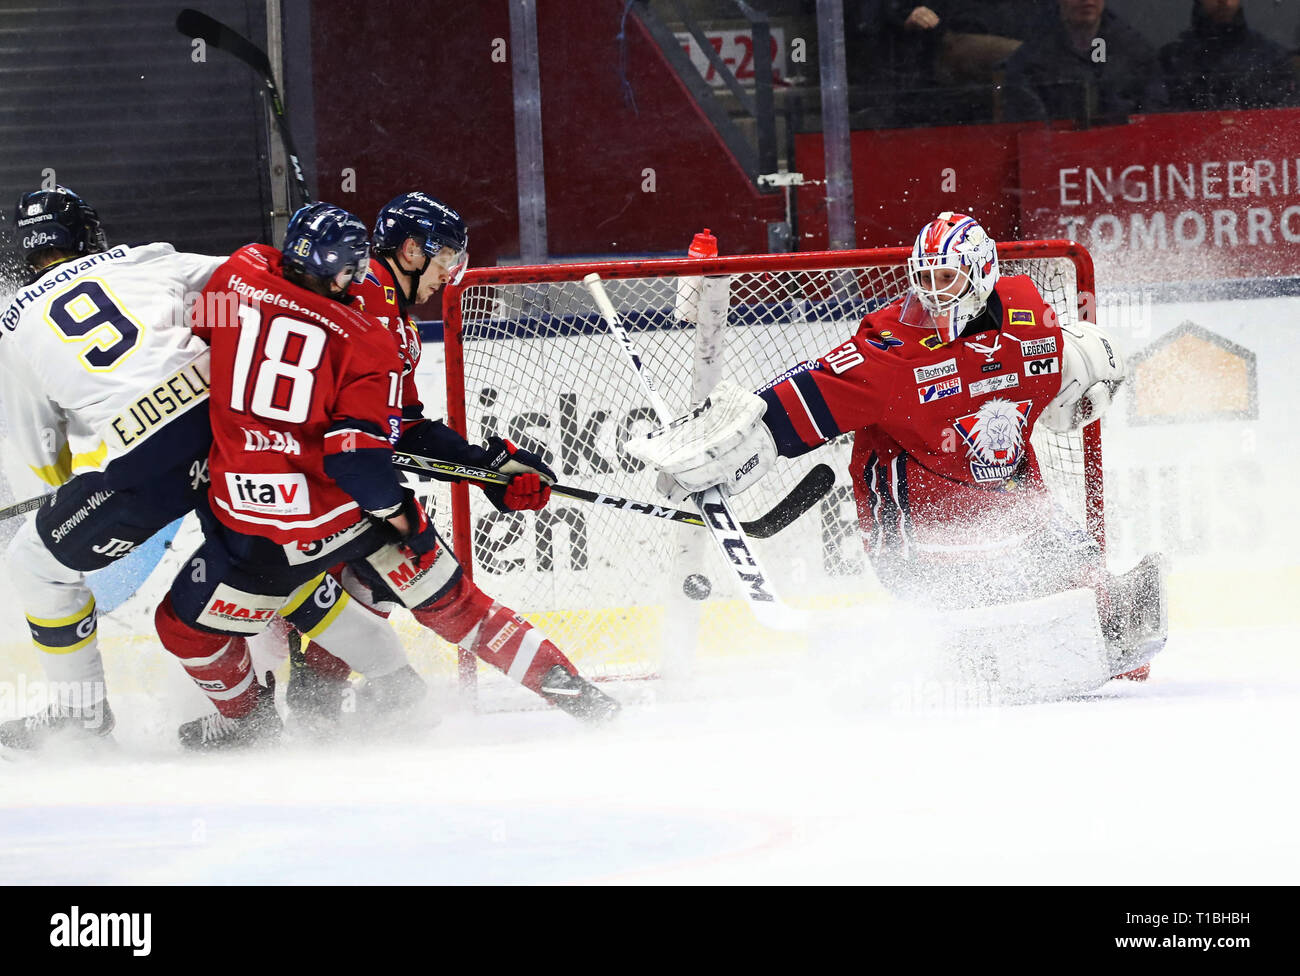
[{"x": 821, "y": 413}]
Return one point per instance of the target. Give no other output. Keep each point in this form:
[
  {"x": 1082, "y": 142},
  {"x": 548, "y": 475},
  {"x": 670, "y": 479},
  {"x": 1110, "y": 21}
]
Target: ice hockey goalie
[{"x": 942, "y": 390}]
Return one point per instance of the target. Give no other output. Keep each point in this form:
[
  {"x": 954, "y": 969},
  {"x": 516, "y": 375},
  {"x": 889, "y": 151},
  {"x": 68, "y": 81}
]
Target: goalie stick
[
  {"x": 727, "y": 531},
  {"x": 199, "y": 26},
  {"x": 814, "y": 485}
]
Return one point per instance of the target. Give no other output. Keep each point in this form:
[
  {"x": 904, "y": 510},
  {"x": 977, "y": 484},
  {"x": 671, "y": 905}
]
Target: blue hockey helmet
[
  {"x": 327, "y": 243},
  {"x": 441, "y": 231},
  {"x": 59, "y": 219}
]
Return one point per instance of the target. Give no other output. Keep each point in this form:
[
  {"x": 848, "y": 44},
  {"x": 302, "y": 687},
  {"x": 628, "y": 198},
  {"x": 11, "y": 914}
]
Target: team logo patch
[
  {"x": 925, "y": 374},
  {"x": 994, "y": 383},
  {"x": 1042, "y": 367},
  {"x": 937, "y": 391},
  {"x": 1038, "y": 347},
  {"x": 884, "y": 341},
  {"x": 269, "y": 494},
  {"x": 233, "y": 610},
  {"x": 390, "y": 295},
  {"x": 995, "y": 438},
  {"x": 1020, "y": 316},
  {"x": 932, "y": 342}
]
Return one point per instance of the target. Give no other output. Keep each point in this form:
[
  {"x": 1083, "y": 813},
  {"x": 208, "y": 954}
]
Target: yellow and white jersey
[{"x": 96, "y": 356}]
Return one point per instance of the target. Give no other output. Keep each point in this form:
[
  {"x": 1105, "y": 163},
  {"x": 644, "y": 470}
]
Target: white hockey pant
[{"x": 60, "y": 610}]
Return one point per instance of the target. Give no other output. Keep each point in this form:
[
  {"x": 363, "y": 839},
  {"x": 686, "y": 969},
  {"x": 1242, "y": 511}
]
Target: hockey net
[{"x": 530, "y": 359}]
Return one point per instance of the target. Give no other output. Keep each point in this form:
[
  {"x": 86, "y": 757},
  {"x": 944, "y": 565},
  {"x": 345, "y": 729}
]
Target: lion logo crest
[{"x": 995, "y": 438}]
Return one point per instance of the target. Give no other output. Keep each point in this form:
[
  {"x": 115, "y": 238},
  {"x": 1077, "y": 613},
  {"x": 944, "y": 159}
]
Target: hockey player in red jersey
[
  {"x": 942, "y": 389},
  {"x": 304, "y": 412},
  {"x": 419, "y": 245}
]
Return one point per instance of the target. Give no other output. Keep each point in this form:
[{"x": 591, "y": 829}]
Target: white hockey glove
[
  {"x": 722, "y": 442},
  {"x": 1091, "y": 371}
]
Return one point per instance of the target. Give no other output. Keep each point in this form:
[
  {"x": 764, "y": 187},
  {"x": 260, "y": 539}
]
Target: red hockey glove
[{"x": 530, "y": 484}]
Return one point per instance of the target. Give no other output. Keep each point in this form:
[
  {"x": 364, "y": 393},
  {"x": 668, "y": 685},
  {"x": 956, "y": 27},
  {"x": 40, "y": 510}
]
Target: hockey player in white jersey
[{"x": 105, "y": 393}]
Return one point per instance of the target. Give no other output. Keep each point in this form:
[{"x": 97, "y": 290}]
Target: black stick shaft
[
  {"x": 198, "y": 25},
  {"x": 810, "y": 489}
]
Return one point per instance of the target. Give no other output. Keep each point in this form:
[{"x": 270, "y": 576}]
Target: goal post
[{"x": 528, "y": 358}]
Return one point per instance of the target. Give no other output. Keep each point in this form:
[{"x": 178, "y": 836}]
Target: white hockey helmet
[{"x": 952, "y": 270}]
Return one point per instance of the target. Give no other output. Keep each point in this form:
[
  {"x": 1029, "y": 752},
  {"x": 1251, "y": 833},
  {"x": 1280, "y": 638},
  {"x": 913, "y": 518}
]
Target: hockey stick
[
  {"x": 768, "y": 609},
  {"x": 20, "y": 508},
  {"x": 199, "y": 26},
  {"x": 814, "y": 485}
]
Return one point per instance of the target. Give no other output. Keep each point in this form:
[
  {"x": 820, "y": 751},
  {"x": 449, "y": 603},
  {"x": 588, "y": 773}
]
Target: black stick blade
[
  {"x": 810, "y": 490},
  {"x": 198, "y": 25}
]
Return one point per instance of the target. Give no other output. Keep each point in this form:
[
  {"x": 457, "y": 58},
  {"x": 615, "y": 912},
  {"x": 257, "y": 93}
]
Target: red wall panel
[
  {"x": 902, "y": 178},
  {"x": 410, "y": 97}
]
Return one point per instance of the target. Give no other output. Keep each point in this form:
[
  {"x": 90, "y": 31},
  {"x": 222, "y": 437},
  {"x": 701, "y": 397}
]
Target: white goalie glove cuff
[
  {"x": 1091, "y": 371},
  {"x": 722, "y": 442}
]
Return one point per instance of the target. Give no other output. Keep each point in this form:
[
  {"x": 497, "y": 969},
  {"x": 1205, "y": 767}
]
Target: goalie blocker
[{"x": 942, "y": 398}]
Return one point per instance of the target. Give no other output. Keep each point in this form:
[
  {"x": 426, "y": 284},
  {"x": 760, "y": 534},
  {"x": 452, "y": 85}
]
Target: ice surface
[
  {"x": 849, "y": 766},
  {"x": 1185, "y": 779}
]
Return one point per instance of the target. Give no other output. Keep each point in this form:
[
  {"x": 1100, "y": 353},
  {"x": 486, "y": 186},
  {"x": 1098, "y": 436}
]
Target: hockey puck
[{"x": 697, "y": 587}]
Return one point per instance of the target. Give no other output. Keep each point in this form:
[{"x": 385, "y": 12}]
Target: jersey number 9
[{"x": 88, "y": 311}]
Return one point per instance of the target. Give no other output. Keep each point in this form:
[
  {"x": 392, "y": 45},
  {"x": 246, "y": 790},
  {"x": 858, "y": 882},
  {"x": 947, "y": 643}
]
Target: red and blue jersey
[
  {"x": 378, "y": 297},
  {"x": 304, "y": 404},
  {"x": 941, "y": 429}
]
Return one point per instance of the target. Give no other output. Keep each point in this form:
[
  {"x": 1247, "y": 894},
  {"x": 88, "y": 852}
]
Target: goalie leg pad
[
  {"x": 1135, "y": 609},
  {"x": 1033, "y": 650},
  {"x": 351, "y": 635}
]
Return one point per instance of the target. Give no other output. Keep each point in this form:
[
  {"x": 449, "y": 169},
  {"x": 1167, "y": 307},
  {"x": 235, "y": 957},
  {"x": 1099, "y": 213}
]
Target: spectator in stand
[
  {"x": 894, "y": 48},
  {"x": 1088, "y": 64},
  {"x": 984, "y": 33},
  {"x": 1222, "y": 64}
]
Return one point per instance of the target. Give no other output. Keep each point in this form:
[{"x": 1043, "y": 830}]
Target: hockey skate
[
  {"x": 59, "y": 723},
  {"x": 1137, "y": 625},
  {"x": 390, "y": 704},
  {"x": 392, "y": 693},
  {"x": 578, "y": 696},
  {"x": 215, "y": 732},
  {"x": 315, "y": 699}
]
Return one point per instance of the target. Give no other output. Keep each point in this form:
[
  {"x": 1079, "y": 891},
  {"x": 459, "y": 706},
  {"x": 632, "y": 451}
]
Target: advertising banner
[{"x": 1188, "y": 197}]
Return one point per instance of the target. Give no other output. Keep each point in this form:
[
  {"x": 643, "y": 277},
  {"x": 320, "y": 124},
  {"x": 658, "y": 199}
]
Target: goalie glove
[
  {"x": 1091, "y": 371},
  {"x": 530, "y": 483},
  {"x": 722, "y": 442}
]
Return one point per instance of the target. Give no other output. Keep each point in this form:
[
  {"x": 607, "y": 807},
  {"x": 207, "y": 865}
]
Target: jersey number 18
[{"x": 285, "y": 374}]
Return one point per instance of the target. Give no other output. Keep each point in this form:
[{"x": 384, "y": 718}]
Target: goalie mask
[{"x": 952, "y": 270}]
